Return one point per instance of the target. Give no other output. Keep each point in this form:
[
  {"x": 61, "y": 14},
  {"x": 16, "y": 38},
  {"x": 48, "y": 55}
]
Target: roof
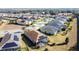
[
  {"x": 49, "y": 29},
  {"x": 5, "y": 38},
  {"x": 9, "y": 41},
  {"x": 55, "y": 25},
  {"x": 33, "y": 35},
  {"x": 9, "y": 45},
  {"x": 62, "y": 18}
]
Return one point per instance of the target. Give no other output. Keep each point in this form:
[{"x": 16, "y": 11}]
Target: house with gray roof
[
  {"x": 54, "y": 26},
  {"x": 10, "y": 41}
]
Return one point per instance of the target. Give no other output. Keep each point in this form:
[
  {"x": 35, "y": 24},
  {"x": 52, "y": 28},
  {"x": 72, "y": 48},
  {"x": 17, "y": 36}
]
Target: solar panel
[
  {"x": 6, "y": 38},
  {"x": 8, "y": 45},
  {"x": 16, "y": 38}
]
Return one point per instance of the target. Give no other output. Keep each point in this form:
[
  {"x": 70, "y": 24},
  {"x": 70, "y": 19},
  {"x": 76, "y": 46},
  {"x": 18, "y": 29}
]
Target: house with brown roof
[{"x": 36, "y": 37}]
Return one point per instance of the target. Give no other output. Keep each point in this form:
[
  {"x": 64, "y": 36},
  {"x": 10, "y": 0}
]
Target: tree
[{"x": 51, "y": 12}]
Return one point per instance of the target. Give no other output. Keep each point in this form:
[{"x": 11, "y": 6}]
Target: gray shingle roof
[{"x": 55, "y": 26}]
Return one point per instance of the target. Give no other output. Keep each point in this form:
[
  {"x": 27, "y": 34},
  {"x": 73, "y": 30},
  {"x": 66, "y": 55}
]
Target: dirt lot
[{"x": 10, "y": 27}]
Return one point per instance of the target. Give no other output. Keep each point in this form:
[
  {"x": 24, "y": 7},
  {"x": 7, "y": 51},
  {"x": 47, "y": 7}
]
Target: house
[
  {"x": 49, "y": 30},
  {"x": 24, "y": 21},
  {"x": 12, "y": 20},
  {"x": 48, "y": 19},
  {"x": 5, "y": 21},
  {"x": 61, "y": 19},
  {"x": 10, "y": 38},
  {"x": 36, "y": 37},
  {"x": 10, "y": 41},
  {"x": 28, "y": 21},
  {"x": 65, "y": 14},
  {"x": 58, "y": 24},
  {"x": 55, "y": 26},
  {"x": 38, "y": 25}
]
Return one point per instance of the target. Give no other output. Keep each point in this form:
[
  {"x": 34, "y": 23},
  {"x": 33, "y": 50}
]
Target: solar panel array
[{"x": 10, "y": 41}]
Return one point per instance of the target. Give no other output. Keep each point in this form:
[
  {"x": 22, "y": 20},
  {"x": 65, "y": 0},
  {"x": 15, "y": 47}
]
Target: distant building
[
  {"x": 65, "y": 14},
  {"x": 5, "y": 21},
  {"x": 12, "y": 20},
  {"x": 24, "y": 21}
]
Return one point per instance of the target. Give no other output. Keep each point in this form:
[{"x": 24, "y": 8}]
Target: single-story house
[
  {"x": 5, "y": 21},
  {"x": 36, "y": 37},
  {"x": 10, "y": 41},
  {"x": 54, "y": 26},
  {"x": 48, "y": 20},
  {"x": 12, "y": 20},
  {"x": 49, "y": 29},
  {"x": 38, "y": 25},
  {"x": 25, "y": 21},
  {"x": 62, "y": 18}
]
